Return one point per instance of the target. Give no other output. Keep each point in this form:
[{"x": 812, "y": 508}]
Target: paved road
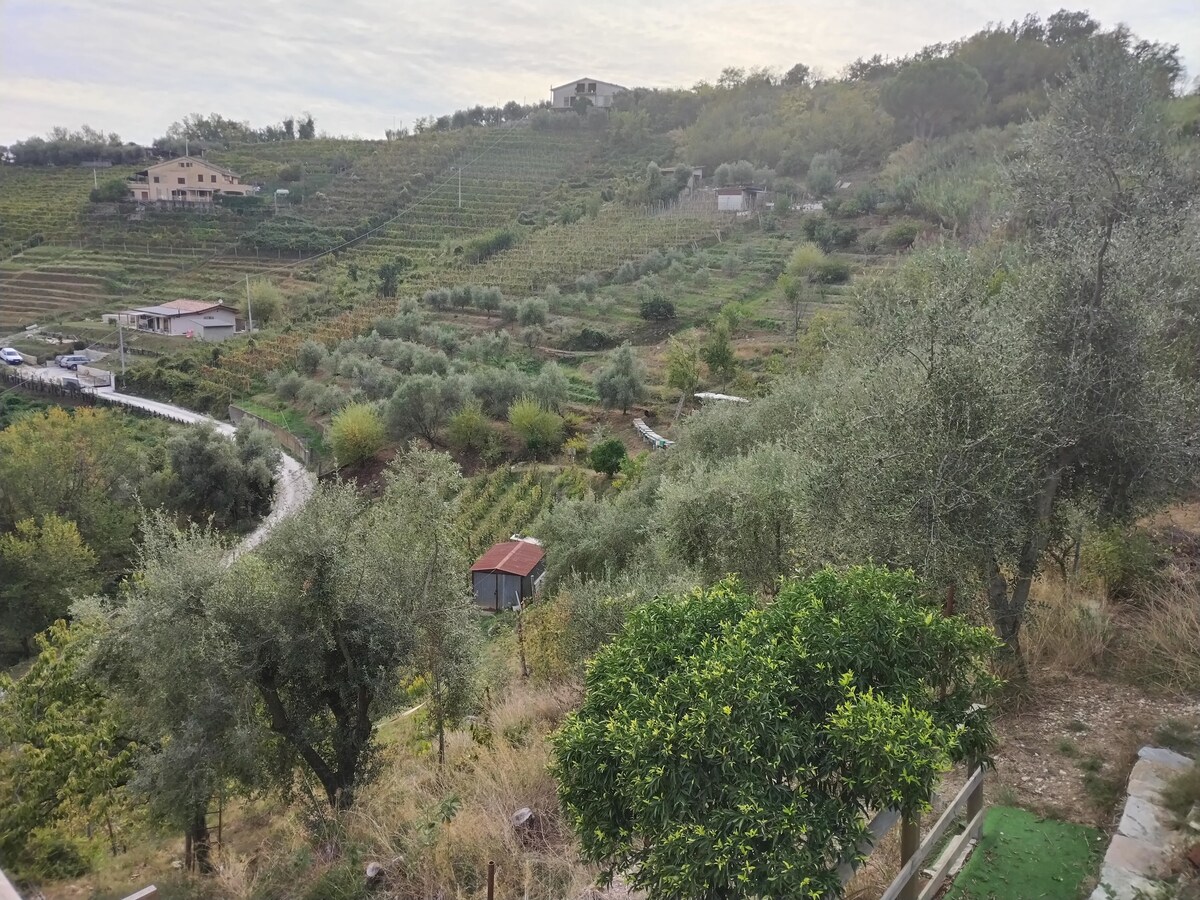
[{"x": 294, "y": 484}]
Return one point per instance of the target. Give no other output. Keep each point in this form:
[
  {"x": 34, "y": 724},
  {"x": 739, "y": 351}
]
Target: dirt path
[{"x": 1067, "y": 752}]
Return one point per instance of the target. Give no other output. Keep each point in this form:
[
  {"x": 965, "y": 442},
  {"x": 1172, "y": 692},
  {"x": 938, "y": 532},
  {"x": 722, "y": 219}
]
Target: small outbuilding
[
  {"x": 509, "y": 573},
  {"x": 739, "y": 198}
]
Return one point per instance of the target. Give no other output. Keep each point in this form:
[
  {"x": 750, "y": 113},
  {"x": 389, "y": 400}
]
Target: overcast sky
[{"x": 361, "y": 65}]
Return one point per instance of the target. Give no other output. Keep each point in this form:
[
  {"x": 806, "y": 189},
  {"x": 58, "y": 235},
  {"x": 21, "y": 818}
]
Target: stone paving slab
[{"x": 1143, "y": 847}]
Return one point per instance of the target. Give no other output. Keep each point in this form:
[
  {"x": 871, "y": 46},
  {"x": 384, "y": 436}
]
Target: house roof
[
  {"x": 195, "y": 159},
  {"x": 573, "y": 81},
  {"x": 511, "y": 558},
  {"x": 179, "y": 308}
]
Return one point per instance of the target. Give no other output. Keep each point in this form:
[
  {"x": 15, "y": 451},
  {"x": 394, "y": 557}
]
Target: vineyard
[
  {"x": 496, "y": 506},
  {"x": 47, "y": 202}
]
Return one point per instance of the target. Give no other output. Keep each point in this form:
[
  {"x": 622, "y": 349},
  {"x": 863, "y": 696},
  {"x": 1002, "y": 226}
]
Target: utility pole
[
  {"x": 249, "y": 309},
  {"x": 121, "y": 345},
  {"x": 95, "y": 180},
  {"x": 460, "y": 187}
]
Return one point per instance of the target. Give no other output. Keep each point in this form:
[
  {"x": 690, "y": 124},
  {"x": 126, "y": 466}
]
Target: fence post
[
  {"x": 491, "y": 887},
  {"x": 910, "y": 843},
  {"x": 975, "y": 798}
]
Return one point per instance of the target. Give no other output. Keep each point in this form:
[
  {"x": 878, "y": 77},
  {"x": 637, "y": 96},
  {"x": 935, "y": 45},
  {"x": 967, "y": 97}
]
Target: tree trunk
[{"x": 197, "y": 835}]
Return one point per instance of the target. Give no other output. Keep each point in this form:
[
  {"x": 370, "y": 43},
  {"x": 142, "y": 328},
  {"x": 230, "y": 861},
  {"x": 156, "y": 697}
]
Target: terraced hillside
[{"x": 50, "y": 202}]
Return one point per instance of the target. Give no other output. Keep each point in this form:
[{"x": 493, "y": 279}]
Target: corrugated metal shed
[{"x": 511, "y": 558}]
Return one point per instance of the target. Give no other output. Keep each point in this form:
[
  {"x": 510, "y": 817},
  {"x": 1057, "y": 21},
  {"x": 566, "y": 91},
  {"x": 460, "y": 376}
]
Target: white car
[{"x": 11, "y": 356}]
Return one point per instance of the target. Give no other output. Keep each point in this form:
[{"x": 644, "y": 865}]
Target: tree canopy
[{"x": 729, "y": 749}]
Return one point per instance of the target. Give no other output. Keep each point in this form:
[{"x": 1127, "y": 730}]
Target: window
[
  {"x": 181, "y": 165},
  {"x": 156, "y": 179},
  {"x": 580, "y": 88},
  {"x": 592, "y": 88},
  {"x": 145, "y": 195},
  {"x": 200, "y": 177},
  {"x": 182, "y": 180},
  {"x": 212, "y": 178}
]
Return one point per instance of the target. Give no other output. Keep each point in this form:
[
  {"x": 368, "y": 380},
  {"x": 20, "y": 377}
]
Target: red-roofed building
[{"x": 508, "y": 573}]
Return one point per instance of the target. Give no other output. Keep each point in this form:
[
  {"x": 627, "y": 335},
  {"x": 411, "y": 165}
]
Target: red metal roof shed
[{"x": 511, "y": 558}]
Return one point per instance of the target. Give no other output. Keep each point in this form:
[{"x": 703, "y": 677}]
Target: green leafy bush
[
  {"x": 356, "y": 433},
  {"x": 1122, "y": 559},
  {"x": 854, "y": 683},
  {"x": 607, "y": 456},
  {"x": 657, "y": 309},
  {"x": 901, "y": 235}
]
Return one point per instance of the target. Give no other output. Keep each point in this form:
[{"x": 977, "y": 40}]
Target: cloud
[{"x": 360, "y": 65}]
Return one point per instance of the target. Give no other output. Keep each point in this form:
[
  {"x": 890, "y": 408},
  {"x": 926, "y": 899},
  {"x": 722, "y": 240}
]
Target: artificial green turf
[{"x": 1022, "y": 857}]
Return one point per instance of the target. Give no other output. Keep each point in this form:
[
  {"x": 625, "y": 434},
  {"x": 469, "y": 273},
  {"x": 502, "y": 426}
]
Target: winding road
[{"x": 294, "y": 484}]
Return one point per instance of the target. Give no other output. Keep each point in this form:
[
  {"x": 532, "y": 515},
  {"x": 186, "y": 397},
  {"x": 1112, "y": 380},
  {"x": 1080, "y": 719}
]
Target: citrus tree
[{"x": 730, "y": 749}]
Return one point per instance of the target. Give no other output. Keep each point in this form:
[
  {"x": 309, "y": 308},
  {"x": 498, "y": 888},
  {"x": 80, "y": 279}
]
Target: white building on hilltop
[{"x": 599, "y": 93}]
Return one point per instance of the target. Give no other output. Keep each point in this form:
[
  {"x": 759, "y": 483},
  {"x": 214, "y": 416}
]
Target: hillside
[{"x": 860, "y": 463}]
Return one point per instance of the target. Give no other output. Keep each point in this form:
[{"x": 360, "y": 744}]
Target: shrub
[
  {"x": 901, "y": 235},
  {"x": 625, "y": 274},
  {"x": 831, "y": 271},
  {"x": 488, "y": 299},
  {"x": 607, "y": 456},
  {"x": 356, "y": 433},
  {"x": 469, "y": 428},
  {"x": 112, "y": 190},
  {"x": 489, "y": 244},
  {"x": 290, "y": 173},
  {"x": 1123, "y": 560},
  {"x": 509, "y": 311},
  {"x": 310, "y": 356},
  {"x": 541, "y": 429},
  {"x": 532, "y": 311},
  {"x": 587, "y": 338},
  {"x": 823, "y": 172},
  {"x": 657, "y": 309},
  {"x": 652, "y": 262},
  {"x": 587, "y": 284},
  {"x": 289, "y": 386}
]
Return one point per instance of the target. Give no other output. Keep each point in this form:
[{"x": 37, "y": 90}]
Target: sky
[{"x": 361, "y": 66}]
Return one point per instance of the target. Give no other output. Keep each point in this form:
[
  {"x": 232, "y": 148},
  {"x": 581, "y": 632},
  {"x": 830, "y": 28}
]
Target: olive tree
[
  {"x": 729, "y": 749},
  {"x": 621, "y": 383},
  {"x": 994, "y": 390}
]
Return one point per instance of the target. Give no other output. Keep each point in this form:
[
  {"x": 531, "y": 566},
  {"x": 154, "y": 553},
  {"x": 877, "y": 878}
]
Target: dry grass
[
  {"x": 1163, "y": 639},
  {"x": 435, "y": 830},
  {"x": 1069, "y": 629}
]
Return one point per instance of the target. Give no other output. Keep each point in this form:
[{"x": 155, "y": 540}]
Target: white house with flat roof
[
  {"x": 599, "y": 93},
  {"x": 195, "y": 319}
]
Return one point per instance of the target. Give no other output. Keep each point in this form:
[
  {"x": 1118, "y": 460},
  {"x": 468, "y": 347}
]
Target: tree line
[{"x": 194, "y": 133}]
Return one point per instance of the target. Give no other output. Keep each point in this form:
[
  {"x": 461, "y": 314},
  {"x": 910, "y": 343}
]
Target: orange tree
[{"x": 728, "y": 748}]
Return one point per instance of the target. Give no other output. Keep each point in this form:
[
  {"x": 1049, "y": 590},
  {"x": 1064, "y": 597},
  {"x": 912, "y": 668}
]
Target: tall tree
[
  {"x": 344, "y": 594},
  {"x": 42, "y": 565},
  {"x": 930, "y": 95},
  {"x": 172, "y": 671},
  {"x": 65, "y": 756}
]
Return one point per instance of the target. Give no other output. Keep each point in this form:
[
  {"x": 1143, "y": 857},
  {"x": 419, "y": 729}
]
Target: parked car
[
  {"x": 73, "y": 361},
  {"x": 11, "y": 356}
]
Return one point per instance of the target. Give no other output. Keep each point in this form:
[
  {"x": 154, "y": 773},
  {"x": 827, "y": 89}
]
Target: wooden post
[
  {"x": 975, "y": 798},
  {"x": 910, "y": 843}
]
